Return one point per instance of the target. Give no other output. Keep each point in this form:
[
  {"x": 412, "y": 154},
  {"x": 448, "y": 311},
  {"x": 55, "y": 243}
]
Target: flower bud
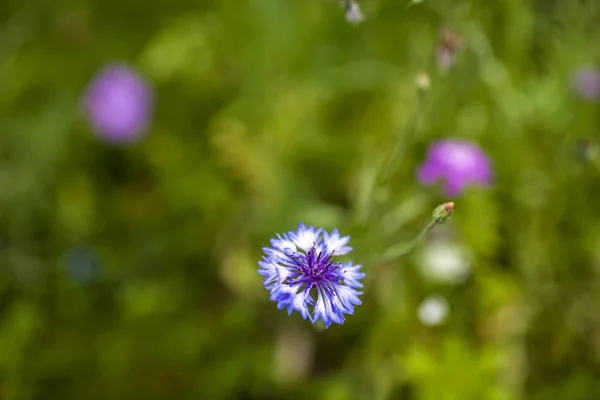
[
  {"x": 443, "y": 212},
  {"x": 422, "y": 81}
]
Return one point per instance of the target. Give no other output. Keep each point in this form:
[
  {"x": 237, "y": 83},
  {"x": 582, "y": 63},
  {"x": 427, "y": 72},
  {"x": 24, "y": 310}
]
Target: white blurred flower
[
  {"x": 443, "y": 261},
  {"x": 433, "y": 310}
]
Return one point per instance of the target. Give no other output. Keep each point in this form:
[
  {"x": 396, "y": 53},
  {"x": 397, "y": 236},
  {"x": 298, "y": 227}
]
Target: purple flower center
[{"x": 314, "y": 268}]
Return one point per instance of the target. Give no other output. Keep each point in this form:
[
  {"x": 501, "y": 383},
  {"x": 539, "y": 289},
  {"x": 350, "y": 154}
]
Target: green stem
[
  {"x": 403, "y": 139},
  {"x": 440, "y": 215},
  {"x": 402, "y": 249},
  {"x": 425, "y": 231}
]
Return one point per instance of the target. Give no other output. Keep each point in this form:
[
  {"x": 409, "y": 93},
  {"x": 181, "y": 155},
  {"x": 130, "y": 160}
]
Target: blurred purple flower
[
  {"x": 354, "y": 14},
  {"x": 458, "y": 163},
  {"x": 586, "y": 82},
  {"x": 118, "y": 103},
  {"x": 450, "y": 43}
]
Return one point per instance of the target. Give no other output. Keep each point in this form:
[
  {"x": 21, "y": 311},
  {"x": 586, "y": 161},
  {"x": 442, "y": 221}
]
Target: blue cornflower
[{"x": 299, "y": 265}]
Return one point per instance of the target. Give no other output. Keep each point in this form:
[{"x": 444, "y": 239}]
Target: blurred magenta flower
[
  {"x": 458, "y": 163},
  {"x": 450, "y": 43},
  {"x": 586, "y": 82},
  {"x": 299, "y": 264},
  {"x": 118, "y": 103},
  {"x": 354, "y": 14}
]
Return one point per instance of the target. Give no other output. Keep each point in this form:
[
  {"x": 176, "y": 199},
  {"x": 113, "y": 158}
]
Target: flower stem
[
  {"x": 425, "y": 231},
  {"x": 403, "y": 139},
  {"x": 440, "y": 215}
]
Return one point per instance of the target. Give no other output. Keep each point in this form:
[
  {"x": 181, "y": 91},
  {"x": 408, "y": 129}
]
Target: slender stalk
[
  {"x": 425, "y": 231},
  {"x": 403, "y": 139},
  {"x": 440, "y": 215}
]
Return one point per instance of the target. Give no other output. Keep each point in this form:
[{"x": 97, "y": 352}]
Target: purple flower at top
[
  {"x": 458, "y": 163},
  {"x": 118, "y": 103},
  {"x": 354, "y": 14},
  {"x": 300, "y": 265},
  {"x": 586, "y": 82},
  {"x": 450, "y": 43}
]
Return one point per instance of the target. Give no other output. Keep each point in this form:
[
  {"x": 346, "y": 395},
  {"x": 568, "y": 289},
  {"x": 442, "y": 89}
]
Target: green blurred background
[{"x": 271, "y": 112}]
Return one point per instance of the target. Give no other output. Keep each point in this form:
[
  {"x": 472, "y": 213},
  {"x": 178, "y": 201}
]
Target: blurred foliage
[{"x": 271, "y": 112}]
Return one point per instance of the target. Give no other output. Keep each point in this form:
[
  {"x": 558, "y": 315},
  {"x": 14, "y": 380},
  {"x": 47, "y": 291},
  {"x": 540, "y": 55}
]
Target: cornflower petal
[
  {"x": 352, "y": 276},
  {"x": 305, "y": 237},
  {"x": 336, "y": 244}
]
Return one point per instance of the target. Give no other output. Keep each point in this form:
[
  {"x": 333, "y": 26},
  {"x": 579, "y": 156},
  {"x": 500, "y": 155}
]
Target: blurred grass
[{"x": 273, "y": 112}]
